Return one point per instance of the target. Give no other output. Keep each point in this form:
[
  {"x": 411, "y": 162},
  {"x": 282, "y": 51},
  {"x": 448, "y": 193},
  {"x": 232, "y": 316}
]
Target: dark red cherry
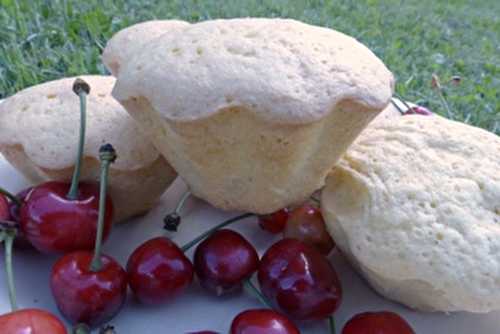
[
  {"x": 306, "y": 224},
  {"x": 55, "y": 224},
  {"x": 275, "y": 222},
  {"x": 262, "y": 321},
  {"x": 223, "y": 260},
  {"x": 33, "y": 321},
  {"x": 299, "y": 280},
  {"x": 86, "y": 296},
  {"x": 377, "y": 323},
  {"x": 418, "y": 110},
  {"x": 4, "y": 208},
  {"x": 158, "y": 271}
]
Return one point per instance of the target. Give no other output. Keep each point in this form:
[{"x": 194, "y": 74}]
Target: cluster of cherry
[{"x": 90, "y": 288}]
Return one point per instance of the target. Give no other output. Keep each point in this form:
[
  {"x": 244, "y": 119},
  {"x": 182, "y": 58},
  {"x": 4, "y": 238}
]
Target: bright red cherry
[
  {"x": 418, "y": 110},
  {"x": 158, "y": 271},
  {"x": 31, "y": 321},
  {"x": 91, "y": 288},
  {"x": 86, "y": 296},
  {"x": 55, "y": 224},
  {"x": 300, "y": 280},
  {"x": 275, "y": 222},
  {"x": 4, "y": 208},
  {"x": 262, "y": 321},
  {"x": 223, "y": 260},
  {"x": 58, "y": 217},
  {"x": 306, "y": 224},
  {"x": 377, "y": 323}
]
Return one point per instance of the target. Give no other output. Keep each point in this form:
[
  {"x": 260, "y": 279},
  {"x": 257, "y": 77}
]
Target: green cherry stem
[
  {"x": 107, "y": 156},
  {"x": 183, "y": 199},
  {"x": 81, "y": 329},
  {"x": 331, "y": 323},
  {"x": 107, "y": 330},
  {"x": 225, "y": 223},
  {"x": 7, "y": 235},
  {"x": 396, "y": 105},
  {"x": 10, "y": 196},
  {"x": 173, "y": 219},
  {"x": 82, "y": 89},
  {"x": 252, "y": 289}
]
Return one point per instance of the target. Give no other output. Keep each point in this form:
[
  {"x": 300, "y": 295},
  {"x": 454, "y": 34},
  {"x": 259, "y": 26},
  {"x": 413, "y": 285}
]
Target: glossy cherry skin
[
  {"x": 223, "y": 260},
  {"x": 299, "y": 280},
  {"x": 418, "y": 110},
  {"x": 31, "y": 321},
  {"x": 262, "y": 321},
  {"x": 158, "y": 271},
  {"x": 55, "y": 224},
  {"x": 306, "y": 224},
  {"x": 84, "y": 296},
  {"x": 377, "y": 323},
  {"x": 275, "y": 222},
  {"x": 4, "y": 208}
]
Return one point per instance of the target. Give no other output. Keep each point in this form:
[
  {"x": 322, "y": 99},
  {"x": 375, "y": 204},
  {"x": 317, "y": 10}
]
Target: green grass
[{"x": 44, "y": 40}]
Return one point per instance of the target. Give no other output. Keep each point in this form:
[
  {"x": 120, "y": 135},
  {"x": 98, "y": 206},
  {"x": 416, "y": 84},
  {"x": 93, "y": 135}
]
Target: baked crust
[{"x": 415, "y": 205}]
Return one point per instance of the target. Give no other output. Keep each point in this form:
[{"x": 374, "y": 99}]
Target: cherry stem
[
  {"x": 315, "y": 200},
  {"x": 82, "y": 89},
  {"x": 202, "y": 236},
  {"x": 10, "y": 196},
  {"x": 401, "y": 111},
  {"x": 252, "y": 289},
  {"x": 183, "y": 199},
  {"x": 331, "y": 322},
  {"x": 107, "y": 330},
  {"x": 7, "y": 235},
  {"x": 173, "y": 219},
  {"x": 81, "y": 329},
  {"x": 107, "y": 156}
]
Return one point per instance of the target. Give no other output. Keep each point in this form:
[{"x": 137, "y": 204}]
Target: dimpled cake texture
[
  {"x": 125, "y": 43},
  {"x": 246, "y": 110},
  {"x": 39, "y": 131},
  {"x": 415, "y": 206}
]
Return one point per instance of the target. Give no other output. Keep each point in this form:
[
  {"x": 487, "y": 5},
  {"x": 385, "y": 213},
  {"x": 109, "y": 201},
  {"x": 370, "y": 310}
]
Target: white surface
[{"x": 197, "y": 310}]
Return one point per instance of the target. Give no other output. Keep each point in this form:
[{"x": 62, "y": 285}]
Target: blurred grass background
[{"x": 45, "y": 40}]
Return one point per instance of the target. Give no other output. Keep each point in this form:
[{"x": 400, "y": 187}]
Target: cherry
[
  {"x": 27, "y": 320},
  {"x": 84, "y": 295},
  {"x": 262, "y": 321},
  {"x": 58, "y": 217},
  {"x": 275, "y": 222},
  {"x": 306, "y": 224},
  {"x": 418, "y": 110},
  {"x": 377, "y": 323},
  {"x": 298, "y": 279},
  {"x": 158, "y": 271},
  {"x": 31, "y": 321},
  {"x": 56, "y": 224},
  {"x": 224, "y": 260},
  {"x": 90, "y": 287}
]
